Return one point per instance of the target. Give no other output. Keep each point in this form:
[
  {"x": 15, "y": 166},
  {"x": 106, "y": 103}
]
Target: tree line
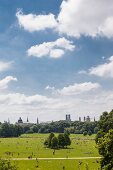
[{"x": 75, "y": 127}]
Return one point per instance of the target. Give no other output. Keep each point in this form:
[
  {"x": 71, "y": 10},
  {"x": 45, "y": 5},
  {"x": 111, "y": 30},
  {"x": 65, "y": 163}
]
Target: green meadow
[{"x": 32, "y": 145}]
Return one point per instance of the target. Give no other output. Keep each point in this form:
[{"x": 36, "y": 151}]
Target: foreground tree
[
  {"x": 104, "y": 140},
  {"x": 105, "y": 145}
]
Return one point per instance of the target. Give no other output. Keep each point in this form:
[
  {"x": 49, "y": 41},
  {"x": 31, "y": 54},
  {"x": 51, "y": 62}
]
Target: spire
[
  {"x": 37, "y": 121},
  {"x": 79, "y": 119},
  {"x": 27, "y": 120},
  {"x": 94, "y": 119}
]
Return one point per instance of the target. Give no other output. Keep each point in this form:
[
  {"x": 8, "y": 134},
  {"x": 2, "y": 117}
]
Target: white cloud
[
  {"x": 14, "y": 105},
  {"x": 32, "y": 22},
  {"x": 5, "y": 66},
  {"x": 76, "y": 18},
  {"x": 78, "y": 88},
  {"x": 56, "y": 53},
  {"x": 22, "y": 99},
  {"x": 55, "y": 49},
  {"x": 4, "y": 82},
  {"x": 82, "y": 72},
  {"x": 103, "y": 70},
  {"x": 49, "y": 88},
  {"x": 86, "y": 17}
]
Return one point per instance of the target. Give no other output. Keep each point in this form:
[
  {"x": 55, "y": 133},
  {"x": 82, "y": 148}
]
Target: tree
[
  {"x": 50, "y": 139},
  {"x": 67, "y": 139},
  {"x": 54, "y": 143},
  {"x": 35, "y": 128},
  {"x": 61, "y": 140},
  {"x": 105, "y": 145},
  {"x": 85, "y": 133},
  {"x": 96, "y": 130},
  {"x": 89, "y": 133},
  {"x": 104, "y": 124},
  {"x": 104, "y": 140}
]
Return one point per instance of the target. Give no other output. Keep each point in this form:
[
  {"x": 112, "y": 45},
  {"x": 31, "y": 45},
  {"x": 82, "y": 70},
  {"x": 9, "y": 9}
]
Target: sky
[{"x": 56, "y": 58}]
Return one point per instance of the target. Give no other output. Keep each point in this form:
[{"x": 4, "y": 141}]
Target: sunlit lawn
[{"x": 32, "y": 145}]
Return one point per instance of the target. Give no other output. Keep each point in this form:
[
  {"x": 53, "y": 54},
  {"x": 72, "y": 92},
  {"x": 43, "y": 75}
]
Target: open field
[
  {"x": 58, "y": 165},
  {"x": 75, "y": 157}
]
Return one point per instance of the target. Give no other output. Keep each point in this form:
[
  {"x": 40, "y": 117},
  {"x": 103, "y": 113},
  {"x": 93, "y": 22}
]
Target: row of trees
[
  {"x": 75, "y": 127},
  {"x": 60, "y": 141},
  {"x": 15, "y": 130}
]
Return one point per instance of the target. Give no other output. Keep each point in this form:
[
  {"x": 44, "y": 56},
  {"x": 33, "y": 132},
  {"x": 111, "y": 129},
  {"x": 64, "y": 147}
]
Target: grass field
[{"x": 32, "y": 145}]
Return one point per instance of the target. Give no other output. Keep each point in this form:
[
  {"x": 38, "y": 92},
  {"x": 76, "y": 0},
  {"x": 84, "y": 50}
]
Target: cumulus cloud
[
  {"x": 4, "y": 82},
  {"x": 22, "y": 99},
  {"x": 5, "y": 66},
  {"x": 32, "y": 22},
  {"x": 89, "y": 18},
  {"x": 78, "y": 88},
  {"x": 76, "y": 18},
  {"x": 103, "y": 70},
  {"x": 55, "y": 49}
]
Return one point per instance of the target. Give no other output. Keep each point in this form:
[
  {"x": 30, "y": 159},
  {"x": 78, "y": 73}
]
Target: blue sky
[{"x": 55, "y": 58}]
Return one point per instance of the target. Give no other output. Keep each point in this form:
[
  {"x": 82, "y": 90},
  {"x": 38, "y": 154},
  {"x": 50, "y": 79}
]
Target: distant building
[
  {"x": 88, "y": 119},
  {"x": 20, "y": 120},
  {"x": 94, "y": 119},
  {"x": 68, "y": 117},
  {"x": 84, "y": 118},
  {"x": 27, "y": 120},
  {"x": 79, "y": 119}
]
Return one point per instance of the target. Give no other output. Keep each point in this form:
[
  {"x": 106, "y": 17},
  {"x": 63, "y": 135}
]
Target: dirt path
[{"x": 75, "y": 158}]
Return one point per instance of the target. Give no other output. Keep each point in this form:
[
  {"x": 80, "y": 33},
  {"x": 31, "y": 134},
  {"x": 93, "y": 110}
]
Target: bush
[
  {"x": 85, "y": 133},
  {"x": 6, "y": 165}
]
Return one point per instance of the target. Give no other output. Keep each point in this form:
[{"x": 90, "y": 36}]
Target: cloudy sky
[{"x": 56, "y": 58}]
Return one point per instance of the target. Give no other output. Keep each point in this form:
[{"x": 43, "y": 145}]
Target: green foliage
[
  {"x": 6, "y": 165},
  {"x": 104, "y": 139},
  {"x": 50, "y": 139},
  {"x": 85, "y": 133},
  {"x": 89, "y": 133},
  {"x": 11, "y": 130},
  {"x": 61, "y": 140},
  {"x": 54, "y": 143},
  {"x": 96, "y": 129},
  {"x": 67, "y": 139},
  {"x": 105, "y": 145},
  {"x": 57, "y": 142}
]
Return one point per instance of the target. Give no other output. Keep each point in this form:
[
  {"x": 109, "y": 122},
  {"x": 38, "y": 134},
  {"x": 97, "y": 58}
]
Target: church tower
[
  {"x": 27, "y": 120},
  {"x": 37, "y": 121}
]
